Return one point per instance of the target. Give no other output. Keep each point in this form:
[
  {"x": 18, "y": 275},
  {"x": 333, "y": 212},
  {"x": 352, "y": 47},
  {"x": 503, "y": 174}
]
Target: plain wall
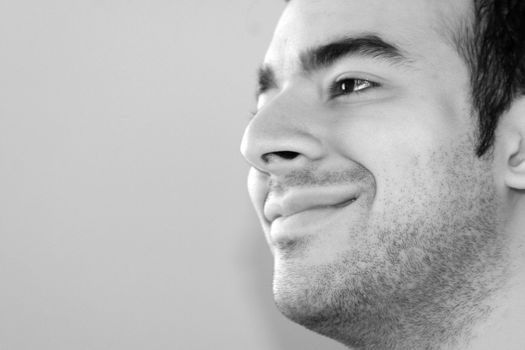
[{"x": 124, "y": 218}]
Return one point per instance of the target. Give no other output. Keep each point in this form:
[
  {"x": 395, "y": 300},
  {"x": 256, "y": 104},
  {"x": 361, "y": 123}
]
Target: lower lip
[{"x": 307, "y": 222}]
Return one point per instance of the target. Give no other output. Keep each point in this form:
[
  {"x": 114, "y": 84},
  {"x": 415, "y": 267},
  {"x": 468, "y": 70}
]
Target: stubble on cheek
[{"x": 424, "y": 264}]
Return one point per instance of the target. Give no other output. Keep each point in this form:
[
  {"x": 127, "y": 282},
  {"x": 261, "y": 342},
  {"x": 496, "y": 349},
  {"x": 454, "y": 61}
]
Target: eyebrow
[{"x": 321, "y": 57}]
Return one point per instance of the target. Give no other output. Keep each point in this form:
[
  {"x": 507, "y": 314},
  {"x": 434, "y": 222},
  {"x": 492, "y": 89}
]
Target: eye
[{"x": 348, "y": 86}]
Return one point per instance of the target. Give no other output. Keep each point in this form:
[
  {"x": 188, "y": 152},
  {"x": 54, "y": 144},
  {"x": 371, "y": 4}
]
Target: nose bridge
[{"x": 282, "y": 136}]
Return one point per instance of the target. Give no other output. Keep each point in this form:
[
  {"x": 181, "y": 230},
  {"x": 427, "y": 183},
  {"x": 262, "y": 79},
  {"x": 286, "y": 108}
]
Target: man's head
[{"x": 383, "y": 221}]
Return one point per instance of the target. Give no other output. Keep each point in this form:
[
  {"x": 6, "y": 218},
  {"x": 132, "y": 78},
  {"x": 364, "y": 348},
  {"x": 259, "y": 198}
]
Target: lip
[
  {"x": 311, "y": 221},
  {"x": 314, "y": 199}
]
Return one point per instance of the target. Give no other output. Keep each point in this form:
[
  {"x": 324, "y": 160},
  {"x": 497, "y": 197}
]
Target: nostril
[{"x": 287, "y": 155}]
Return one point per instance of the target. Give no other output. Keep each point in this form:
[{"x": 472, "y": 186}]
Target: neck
[{"x": 504, "y": 327}]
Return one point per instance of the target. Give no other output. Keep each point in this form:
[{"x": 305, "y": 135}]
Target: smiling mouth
[
  {"x": 319, "y": 207},
  {"x": 299, "y": 201},
  {"x": 345, "y": 203},
  {"x": 293, "y": 226}
]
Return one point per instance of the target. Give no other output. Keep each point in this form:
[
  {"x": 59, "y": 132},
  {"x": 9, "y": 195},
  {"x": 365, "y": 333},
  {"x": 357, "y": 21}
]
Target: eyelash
[{"x": 338, "y": 87}]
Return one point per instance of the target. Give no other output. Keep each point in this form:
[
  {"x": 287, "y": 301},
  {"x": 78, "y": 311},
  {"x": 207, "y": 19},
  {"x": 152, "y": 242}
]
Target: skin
[{"x": 416, "y": 256}]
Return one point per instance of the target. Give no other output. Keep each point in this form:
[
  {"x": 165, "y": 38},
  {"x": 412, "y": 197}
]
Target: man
[{"x": 388, "y": 171}]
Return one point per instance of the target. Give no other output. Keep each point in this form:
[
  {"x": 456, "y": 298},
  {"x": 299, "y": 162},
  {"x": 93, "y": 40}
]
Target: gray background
[{"x": 124, "y": 219}]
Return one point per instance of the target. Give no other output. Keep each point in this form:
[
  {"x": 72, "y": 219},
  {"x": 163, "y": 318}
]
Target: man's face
[{"x": 364, "y": 174}]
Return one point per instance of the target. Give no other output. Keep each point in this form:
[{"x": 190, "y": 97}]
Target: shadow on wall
[{"x": 287, "y": 335}]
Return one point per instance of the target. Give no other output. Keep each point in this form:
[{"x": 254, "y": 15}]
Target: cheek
[
  {"x": 385, "y": 142},
  {"x": 392, "y": 131},
  {"x": 400, "y": 149}
]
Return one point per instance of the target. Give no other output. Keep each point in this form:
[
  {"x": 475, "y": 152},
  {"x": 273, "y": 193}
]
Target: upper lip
[{"x": 295, "y": 201}]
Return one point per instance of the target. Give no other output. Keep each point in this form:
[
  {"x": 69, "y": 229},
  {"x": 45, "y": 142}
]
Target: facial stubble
[{"x": 413, "y": 276}]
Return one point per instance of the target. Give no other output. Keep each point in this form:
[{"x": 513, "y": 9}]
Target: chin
[
  {"x": 302, "y": 300},
  {"x": 317, "y": 299}
]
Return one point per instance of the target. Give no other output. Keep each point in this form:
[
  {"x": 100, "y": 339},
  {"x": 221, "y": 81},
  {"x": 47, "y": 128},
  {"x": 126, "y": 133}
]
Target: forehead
[{"x": 422, "y": 27}]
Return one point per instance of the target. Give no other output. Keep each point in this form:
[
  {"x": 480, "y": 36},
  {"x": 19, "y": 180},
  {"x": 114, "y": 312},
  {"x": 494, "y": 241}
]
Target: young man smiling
[{"x": 388, "y": 171}]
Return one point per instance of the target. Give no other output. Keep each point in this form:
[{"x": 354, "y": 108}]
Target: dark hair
[{"x": 493, "y": 46}]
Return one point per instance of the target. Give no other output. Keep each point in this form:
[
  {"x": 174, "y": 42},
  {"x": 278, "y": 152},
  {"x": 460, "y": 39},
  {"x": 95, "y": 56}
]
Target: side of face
[{"x": 380, "y": 216}]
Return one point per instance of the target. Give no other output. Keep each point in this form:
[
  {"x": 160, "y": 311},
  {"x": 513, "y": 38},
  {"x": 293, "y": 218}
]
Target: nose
[{"x": 283, "y": 136}]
